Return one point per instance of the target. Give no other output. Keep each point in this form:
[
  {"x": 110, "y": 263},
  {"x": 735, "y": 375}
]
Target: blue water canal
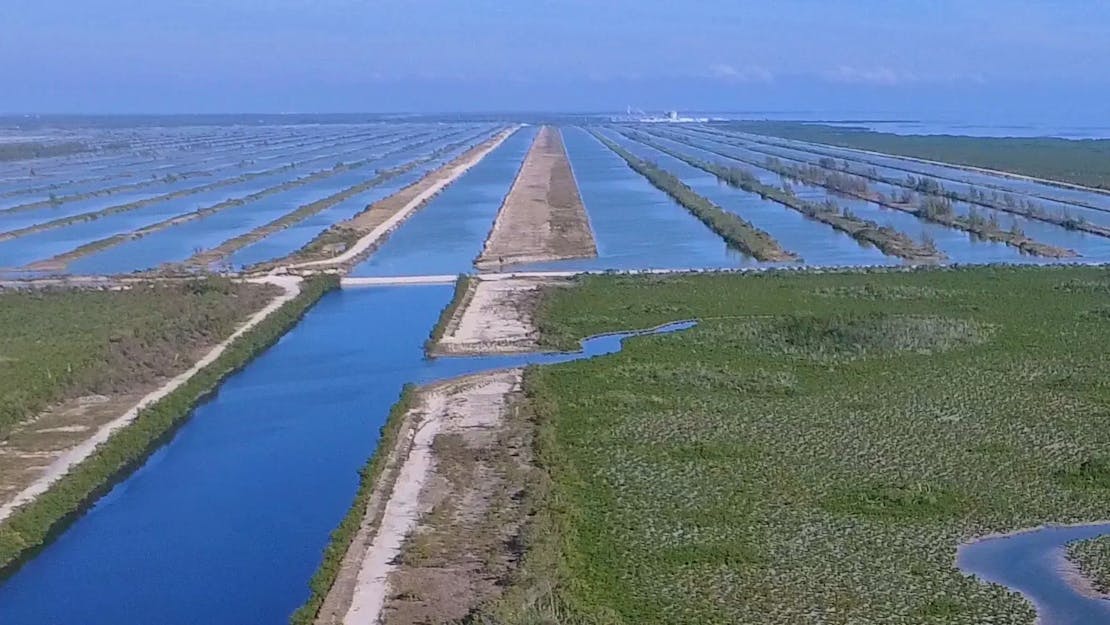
[
  {"x": 226, "y": 523},
  {"x": 446, "y": 235}
]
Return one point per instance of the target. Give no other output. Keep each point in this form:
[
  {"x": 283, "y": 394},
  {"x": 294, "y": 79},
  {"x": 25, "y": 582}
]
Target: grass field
[
  {"x": 69, "y": 343},
  {"x": 1085, "y": 162},
  {"x": 816, "y": 448}
]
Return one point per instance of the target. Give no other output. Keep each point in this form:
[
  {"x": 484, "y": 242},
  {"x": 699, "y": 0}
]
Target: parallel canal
[
  {"x": 1089, "y": 246},
  {"x": 636, "y": 226},
  {"x": 817, "y": 243},
  {"x": 960, "y": 247},
  {"x": 445, "y": 236}
]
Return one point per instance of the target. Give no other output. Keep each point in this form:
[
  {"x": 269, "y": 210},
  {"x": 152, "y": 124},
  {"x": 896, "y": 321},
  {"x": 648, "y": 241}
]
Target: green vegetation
[
  {"x": 816, "y": 448},
  {"x": 1084, "y": 162},
  {"x": 462, "y": 285},
  {"x": 23, "y": 150},
  {"x": 737, "y": 232},
  {"x": 32, "y": 525},
  {"x": 886, "y": 239},
  {"x": 59, "y": 344},
  {"x": 371, "y": 476},
  {"x": 1093, "y": 559}
]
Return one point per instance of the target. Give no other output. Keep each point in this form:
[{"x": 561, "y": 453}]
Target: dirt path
[
  {"x": 495, "y": 317},
  {"x": 382, "y": 218},
  {"x": 55, "y": 466},
  {"x": 542, "y": 217},
  {"x": 469, "y": 407}
]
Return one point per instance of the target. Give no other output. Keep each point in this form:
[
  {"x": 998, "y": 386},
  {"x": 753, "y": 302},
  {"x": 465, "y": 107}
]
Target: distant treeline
[
  {"x": 31, "y": 122},
  {"x": 33, "y": 149},
  {"x": 1084, "y": 162}
]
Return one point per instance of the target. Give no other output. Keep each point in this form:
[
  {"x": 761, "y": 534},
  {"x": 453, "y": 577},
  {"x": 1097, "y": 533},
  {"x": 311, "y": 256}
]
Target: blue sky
[{"x": 1013, "y": 57}]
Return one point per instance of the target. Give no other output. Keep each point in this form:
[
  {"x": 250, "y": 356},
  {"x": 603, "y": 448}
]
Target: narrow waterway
[
  {"x": 1033, "y": 563},
  {"x": 290, "y": 239},
  {"x": 1089, "y": 246},
  {"x": 446, "y": 235},
  {"x": 815, "y": 242},
  {"x": 957, "y": 245}
]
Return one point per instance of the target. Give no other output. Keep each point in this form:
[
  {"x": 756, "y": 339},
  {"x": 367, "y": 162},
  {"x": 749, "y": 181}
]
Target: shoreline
[
  {"x": 494, "y": 317},
  {"x": 1067, "y": 569}
]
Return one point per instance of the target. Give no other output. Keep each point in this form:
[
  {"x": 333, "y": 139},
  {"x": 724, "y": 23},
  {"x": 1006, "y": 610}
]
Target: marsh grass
[
  {"x": 852, "y": 335},
  {"x": 1092, "y": 472},
  {"x": 61, "y": 344},
  {"x": 802, "y": 458},
  {"x": 1093, "y": 559},
  {"x": 876, "y": 292}
]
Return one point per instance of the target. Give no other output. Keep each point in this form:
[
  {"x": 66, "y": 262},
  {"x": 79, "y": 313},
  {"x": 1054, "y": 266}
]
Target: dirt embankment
[
  {"x": 495, "y": 316},
  {"x": 445, "y": 532},
  {"x": 445, "y": 524},
  {"x": 542, "y": 217}
]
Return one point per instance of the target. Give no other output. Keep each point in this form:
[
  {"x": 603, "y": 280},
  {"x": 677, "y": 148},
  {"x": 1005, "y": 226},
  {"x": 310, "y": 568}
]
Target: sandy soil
[
  {"x": 495, "y": 317},
  {"x": 466, "y": 406},
  {"x": 43, "y": 451},
  {"x": 542, "y": 217},
  {"x": 1074, "y": 577}
]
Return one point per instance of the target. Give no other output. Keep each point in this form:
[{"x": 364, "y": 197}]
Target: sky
[{"x": 991, "y": 57}]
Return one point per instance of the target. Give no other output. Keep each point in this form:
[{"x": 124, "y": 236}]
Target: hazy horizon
[{"x": 996, "y": 60}]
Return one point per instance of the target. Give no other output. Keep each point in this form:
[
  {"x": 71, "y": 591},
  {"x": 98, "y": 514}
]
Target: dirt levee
[
  {"x": 459, "y": 452},
  {"x": 495, "y": 317},
  {"x": 542, "y": 217}
]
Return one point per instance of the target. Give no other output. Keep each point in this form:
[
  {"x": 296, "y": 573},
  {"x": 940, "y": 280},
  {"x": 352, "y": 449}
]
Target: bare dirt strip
[
  {"x": 63, "y": 438},
  {"x": 443, "y": 532},
  {"x": 495, "y": 317},
  {"x": 542, "y": 218}
]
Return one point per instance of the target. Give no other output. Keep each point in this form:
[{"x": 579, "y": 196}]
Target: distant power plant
[{"x": 638, "y": 115}]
